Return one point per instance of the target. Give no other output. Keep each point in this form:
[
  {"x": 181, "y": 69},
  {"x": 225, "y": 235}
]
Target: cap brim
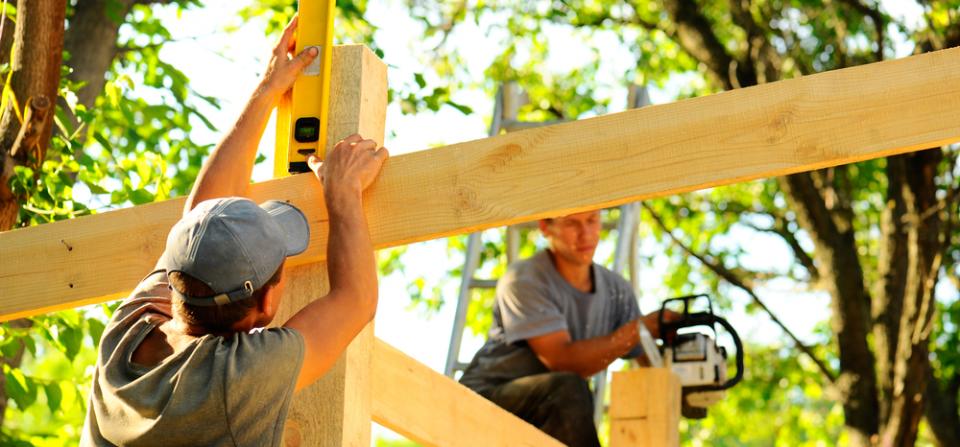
[{"x": 293, "y": 225}]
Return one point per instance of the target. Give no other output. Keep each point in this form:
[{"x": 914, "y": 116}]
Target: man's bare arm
[
  {"x": 227, "y": 172},
  {"x": 330, "y": 323},
  {"x": 587, "y": 357},
  {"x": 584, "y": 357}
]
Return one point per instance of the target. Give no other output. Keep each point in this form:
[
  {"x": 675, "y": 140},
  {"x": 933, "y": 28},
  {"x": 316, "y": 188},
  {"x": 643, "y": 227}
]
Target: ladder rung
[
  {"x": 483, "y": 283},
  {"x": 514, "y": 125}
]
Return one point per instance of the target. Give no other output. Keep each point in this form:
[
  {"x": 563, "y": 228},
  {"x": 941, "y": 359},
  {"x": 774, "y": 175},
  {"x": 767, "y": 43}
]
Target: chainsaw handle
[
  {"x": 736, "y": 342},
  {"x": 736, "y": 377},
  {"x": 689, "y": 318}
]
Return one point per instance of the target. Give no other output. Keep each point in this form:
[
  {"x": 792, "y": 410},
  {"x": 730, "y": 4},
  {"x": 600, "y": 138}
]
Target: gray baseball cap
[{"x": 234, "y": 246}]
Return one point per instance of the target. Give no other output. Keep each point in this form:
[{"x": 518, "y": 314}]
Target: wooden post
[
  {"x": 335, "y": 411},
  {"x": 645, "y": 408}
]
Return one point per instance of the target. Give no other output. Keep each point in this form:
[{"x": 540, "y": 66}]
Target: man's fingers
[
  {"x": 314, "y": 162},
  {"x": 304, "y": 58},
  {"x": 382, "y": 153},
  {"x": 287, "y": 37},
  {"x": 368, "y": 145},
  {"x": 352, "y": 139}
]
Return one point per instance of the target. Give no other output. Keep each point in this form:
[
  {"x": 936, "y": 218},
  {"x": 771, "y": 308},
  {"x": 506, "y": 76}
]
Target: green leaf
[
  {"x": 141, "y": 196},
  {"x": 20, "y": 388},
  {"x": 10, "y": 346},
  {"x": 462, "y": 108},
  {"x": 30, "y": 344},
  {"x": 96, "y": 328},
  {"x": 103, "y": 141},
  {"x": 10, "y": 10},
  {"x": 54, "y": 396},
  {"x": 71, "y": 338},
  {"x": 95, "y": 188}
]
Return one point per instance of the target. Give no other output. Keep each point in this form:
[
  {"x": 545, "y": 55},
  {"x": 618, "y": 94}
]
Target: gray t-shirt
[
  {"x": 219, "y": 391},
  {"x": 533, "y": 300}
]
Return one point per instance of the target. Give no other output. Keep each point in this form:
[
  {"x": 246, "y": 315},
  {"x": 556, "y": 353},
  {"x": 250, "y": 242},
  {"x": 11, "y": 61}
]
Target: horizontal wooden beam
[
  {"x": 786, "y": 127},
  {"x": 433, "y": 410}
]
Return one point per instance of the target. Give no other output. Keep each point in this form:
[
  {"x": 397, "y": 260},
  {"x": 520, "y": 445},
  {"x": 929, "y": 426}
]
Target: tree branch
[
  {"x": 879, "y": 22},
  {"x": 762, "y": 56},
  {"x": 780, "y": 228},
  {"x": 698, "y": 38},
  {"x": 742, "y": 284},
  {"x": 28, "y": 139}
]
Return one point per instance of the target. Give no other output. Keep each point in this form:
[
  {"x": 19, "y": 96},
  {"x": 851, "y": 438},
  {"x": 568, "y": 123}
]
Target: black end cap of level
[{"x": 298, "y": 167}]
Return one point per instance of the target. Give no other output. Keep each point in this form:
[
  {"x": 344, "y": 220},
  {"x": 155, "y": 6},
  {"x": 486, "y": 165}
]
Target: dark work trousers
[{"x": 558, "y": 403}]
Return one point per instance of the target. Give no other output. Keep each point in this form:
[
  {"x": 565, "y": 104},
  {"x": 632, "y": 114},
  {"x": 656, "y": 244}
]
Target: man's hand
[
  {"x": 227, "y": 172},
  {"x": 652, "y": 322},
  {"x": 284, "y": 67},
  {"x": 559, "y": 352},
  {"x": 626, "y": 336},
  {"x": 350, "y": 167}
]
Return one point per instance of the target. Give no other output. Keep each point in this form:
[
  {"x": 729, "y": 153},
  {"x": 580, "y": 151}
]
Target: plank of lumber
[
  {"x": 645, "y": 408},
  {"x": 433, "y": 410},
  {"x": 775, "y": 129}
]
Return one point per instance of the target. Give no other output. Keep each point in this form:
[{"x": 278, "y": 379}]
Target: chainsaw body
[{"x": 694, "y": 356}]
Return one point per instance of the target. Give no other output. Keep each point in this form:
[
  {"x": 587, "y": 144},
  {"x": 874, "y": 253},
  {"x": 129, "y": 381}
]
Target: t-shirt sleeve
[
  {"x": 526, "y": 308},
  {"x": 259, "y": 378},
  {"x": 152, "y": 292}
]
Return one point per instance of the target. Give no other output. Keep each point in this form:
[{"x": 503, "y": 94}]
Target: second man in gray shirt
[{"x": 558, "y": 319}]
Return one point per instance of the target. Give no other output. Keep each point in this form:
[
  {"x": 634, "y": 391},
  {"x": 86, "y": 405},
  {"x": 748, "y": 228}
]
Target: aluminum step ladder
[{"x": 508, "y": 102}]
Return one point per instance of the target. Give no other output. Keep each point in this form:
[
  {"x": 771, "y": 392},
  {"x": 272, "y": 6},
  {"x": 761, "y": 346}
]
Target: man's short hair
[{"x": 220, "y": 318}]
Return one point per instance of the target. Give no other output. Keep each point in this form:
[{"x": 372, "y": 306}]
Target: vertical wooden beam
[
  {"x": 335, "y": 411},
  {"x": 645, "y": 408}
]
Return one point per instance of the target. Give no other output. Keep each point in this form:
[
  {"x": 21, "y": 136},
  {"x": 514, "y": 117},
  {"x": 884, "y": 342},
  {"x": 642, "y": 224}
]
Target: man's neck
[{"x": 578, "y": 275}]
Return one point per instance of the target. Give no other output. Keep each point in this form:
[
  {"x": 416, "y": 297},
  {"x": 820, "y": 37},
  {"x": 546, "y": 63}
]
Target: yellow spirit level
[{"x": 302, "y": 115}]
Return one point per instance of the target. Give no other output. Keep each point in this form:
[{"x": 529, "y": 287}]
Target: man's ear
[
  {"x": 544, "y": 225},
  {"x": 268, "y": 301}
]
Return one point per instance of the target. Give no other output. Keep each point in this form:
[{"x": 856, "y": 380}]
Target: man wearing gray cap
[{"x": 185, "y": 360}]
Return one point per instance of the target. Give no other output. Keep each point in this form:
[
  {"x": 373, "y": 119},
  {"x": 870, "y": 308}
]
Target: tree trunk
[
  {"x": 91, "y": 41},
  {"x": 842, "y": 275},
  {"x": 38, "y": 40},
  {"x": 924, "y": 235},
  {"x": 830, "y": 227},
  {"x": 891, "y": 287}
]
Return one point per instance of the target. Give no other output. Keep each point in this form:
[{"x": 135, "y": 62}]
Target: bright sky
[{"x": 227, "y": 66}]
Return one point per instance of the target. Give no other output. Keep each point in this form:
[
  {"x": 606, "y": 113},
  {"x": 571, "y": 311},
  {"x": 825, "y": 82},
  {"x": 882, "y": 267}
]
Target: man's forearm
[
  {"x": 227, "y": 172},
  {"x": 350, "y": 260},
  {"x": 590, "y": 356}
]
